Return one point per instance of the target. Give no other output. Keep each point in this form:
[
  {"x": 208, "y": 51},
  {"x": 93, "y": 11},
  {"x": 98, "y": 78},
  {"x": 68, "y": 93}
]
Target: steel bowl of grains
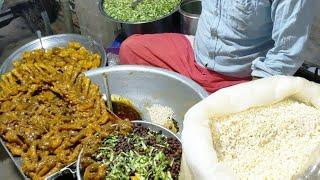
[
  {"x": 149, "y": 93},
  {"x": 149, "y": 151},
  {"x": 143, "y": 16}
]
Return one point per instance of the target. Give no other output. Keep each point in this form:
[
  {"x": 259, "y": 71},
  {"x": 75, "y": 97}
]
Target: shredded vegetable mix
[
  {"x": 143, "y": 154},
  {"x": 146, "y": 10}
]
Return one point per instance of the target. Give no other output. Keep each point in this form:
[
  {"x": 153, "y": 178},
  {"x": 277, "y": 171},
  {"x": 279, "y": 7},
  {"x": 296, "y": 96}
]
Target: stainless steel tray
[
  {"x": 48, "y": 42},
  {"x": 10, "y": 166}
]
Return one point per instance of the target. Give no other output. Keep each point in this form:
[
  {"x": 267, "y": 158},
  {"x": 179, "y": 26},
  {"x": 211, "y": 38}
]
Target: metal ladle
[
  {"x": 40, "y": 38},
  {"x": 135, "y": 3},
  {"x": 107, "y": 89}
]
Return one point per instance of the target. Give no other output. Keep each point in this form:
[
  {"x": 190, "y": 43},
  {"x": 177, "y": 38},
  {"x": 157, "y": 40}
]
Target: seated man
[{"x": 236, "y": 40}]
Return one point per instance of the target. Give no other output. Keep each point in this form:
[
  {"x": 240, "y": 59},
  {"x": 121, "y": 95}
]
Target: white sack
[{"x": 199, "y": 157}]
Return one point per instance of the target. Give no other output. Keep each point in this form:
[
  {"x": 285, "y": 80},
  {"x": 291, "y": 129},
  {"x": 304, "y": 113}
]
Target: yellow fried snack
[
  {"x": 74, "y": 55},
  {"x": 48, "y": 112}
]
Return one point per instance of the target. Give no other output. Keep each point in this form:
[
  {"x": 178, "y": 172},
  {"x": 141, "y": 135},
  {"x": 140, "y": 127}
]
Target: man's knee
[
  {"x": 130, "y": 42},
  {"x": 127, "y": 48},
  {"x": 128, "y": 45}
]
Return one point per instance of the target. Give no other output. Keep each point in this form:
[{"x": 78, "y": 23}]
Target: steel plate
[
  {"x": 48, "y": 42},
  {"x": 8, "y": 168}
]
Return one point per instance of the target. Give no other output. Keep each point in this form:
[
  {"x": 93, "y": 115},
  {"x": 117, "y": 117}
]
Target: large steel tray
[
  {"x": 48, "y": 42},
  {"x": 10, "y": 166},
  {"x": 60, "y": 40}
]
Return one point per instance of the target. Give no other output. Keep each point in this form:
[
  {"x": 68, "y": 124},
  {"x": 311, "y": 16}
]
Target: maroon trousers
[{"x": 173, "y": 52}]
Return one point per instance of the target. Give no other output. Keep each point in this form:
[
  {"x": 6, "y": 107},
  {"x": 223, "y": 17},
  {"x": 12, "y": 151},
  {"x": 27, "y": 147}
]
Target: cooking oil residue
[
  {"x": 124, "y": 108},
  {"x": 125, "y": 111}
]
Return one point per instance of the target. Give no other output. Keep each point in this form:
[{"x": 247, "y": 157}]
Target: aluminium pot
[
  {"x": 145, "y": 86},
  {"x": 190, "y": 11},
  {"x": 168, "y": 23}
]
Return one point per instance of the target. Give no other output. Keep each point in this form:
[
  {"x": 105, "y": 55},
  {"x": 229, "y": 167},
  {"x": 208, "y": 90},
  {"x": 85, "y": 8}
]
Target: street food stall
[
  {"x": 137, "y": 93},
  {"x": 66, "y": 112}
]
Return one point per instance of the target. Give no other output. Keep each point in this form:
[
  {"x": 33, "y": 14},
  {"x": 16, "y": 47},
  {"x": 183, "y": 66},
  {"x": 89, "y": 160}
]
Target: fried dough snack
[
  {"x": 47, "y": 116},
  {"x": 74, "y": 55}
]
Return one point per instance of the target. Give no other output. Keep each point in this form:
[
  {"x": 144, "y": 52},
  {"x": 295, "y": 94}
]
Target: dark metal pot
[
  {"x": 190, "y": 11},
  {"x": 168, "y": 23}
]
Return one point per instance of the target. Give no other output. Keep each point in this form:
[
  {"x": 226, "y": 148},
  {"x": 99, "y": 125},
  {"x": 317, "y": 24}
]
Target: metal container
[
  {"x": 168, "y": 23},
  {"x": 190, "y": 11},
  {"x": 8, "y": 168},
  {"x": 145, "y": 86},
  {"x": 149, "y": 125},
  {"x": 48, "y": 42}
]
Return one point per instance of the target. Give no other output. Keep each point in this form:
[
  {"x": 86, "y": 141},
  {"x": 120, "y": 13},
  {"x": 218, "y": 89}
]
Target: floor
[
  {"x": 13, "y": 36},
  {"x": 17, "y": 33}
]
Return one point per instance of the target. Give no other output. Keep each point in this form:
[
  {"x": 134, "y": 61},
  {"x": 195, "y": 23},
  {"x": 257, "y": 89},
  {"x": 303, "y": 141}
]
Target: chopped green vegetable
[
  {"x": 138, "y": 155},
  {"x": 146, "y": 10}
]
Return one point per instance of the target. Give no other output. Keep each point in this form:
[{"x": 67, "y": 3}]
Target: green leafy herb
[
  {"x": 145, "y": 11},
  {"x": 136, "y": 155}
]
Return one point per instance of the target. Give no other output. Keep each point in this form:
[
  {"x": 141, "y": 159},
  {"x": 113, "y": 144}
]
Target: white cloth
[{"x": 199, "y": 157}]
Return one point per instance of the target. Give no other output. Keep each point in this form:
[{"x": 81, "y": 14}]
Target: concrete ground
[
  {"x": 17, "y": 33},
  {"x": 14, "y": 36}
]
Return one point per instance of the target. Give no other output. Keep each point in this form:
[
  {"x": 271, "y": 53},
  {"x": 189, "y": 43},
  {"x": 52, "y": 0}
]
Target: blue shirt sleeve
[{"x": 292, "y": 20}]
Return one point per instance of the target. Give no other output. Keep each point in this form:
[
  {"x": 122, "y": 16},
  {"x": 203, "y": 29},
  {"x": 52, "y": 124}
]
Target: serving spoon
[
  {"x": 107, "y": 91},
  {"x": 40, "y": 38}
]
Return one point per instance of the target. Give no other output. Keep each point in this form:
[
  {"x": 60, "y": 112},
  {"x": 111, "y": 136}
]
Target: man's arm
[{"x": 292, "y": 20}]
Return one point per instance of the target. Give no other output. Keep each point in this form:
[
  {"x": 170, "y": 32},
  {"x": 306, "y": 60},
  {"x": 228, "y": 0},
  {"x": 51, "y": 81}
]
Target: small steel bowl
[
  {"x": 149, "y": 125},
  {"x": 190, "y": 11}
]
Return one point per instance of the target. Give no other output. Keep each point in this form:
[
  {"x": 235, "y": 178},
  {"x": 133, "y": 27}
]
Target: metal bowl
[
  {"x": 168, "y": 23},
  {"x": 149, "y": 125},
  {"x": 48, "y": 42},
  {"x": 190, "y": 11},
  {"x": 145, "y": 85}
]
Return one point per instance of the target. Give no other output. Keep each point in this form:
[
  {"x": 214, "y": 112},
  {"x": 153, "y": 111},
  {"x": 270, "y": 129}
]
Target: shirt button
[
  {"x": 215, "y": 12},
  {"x": 211, "y": 54},
  {"x": 213, "y": 33}
]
